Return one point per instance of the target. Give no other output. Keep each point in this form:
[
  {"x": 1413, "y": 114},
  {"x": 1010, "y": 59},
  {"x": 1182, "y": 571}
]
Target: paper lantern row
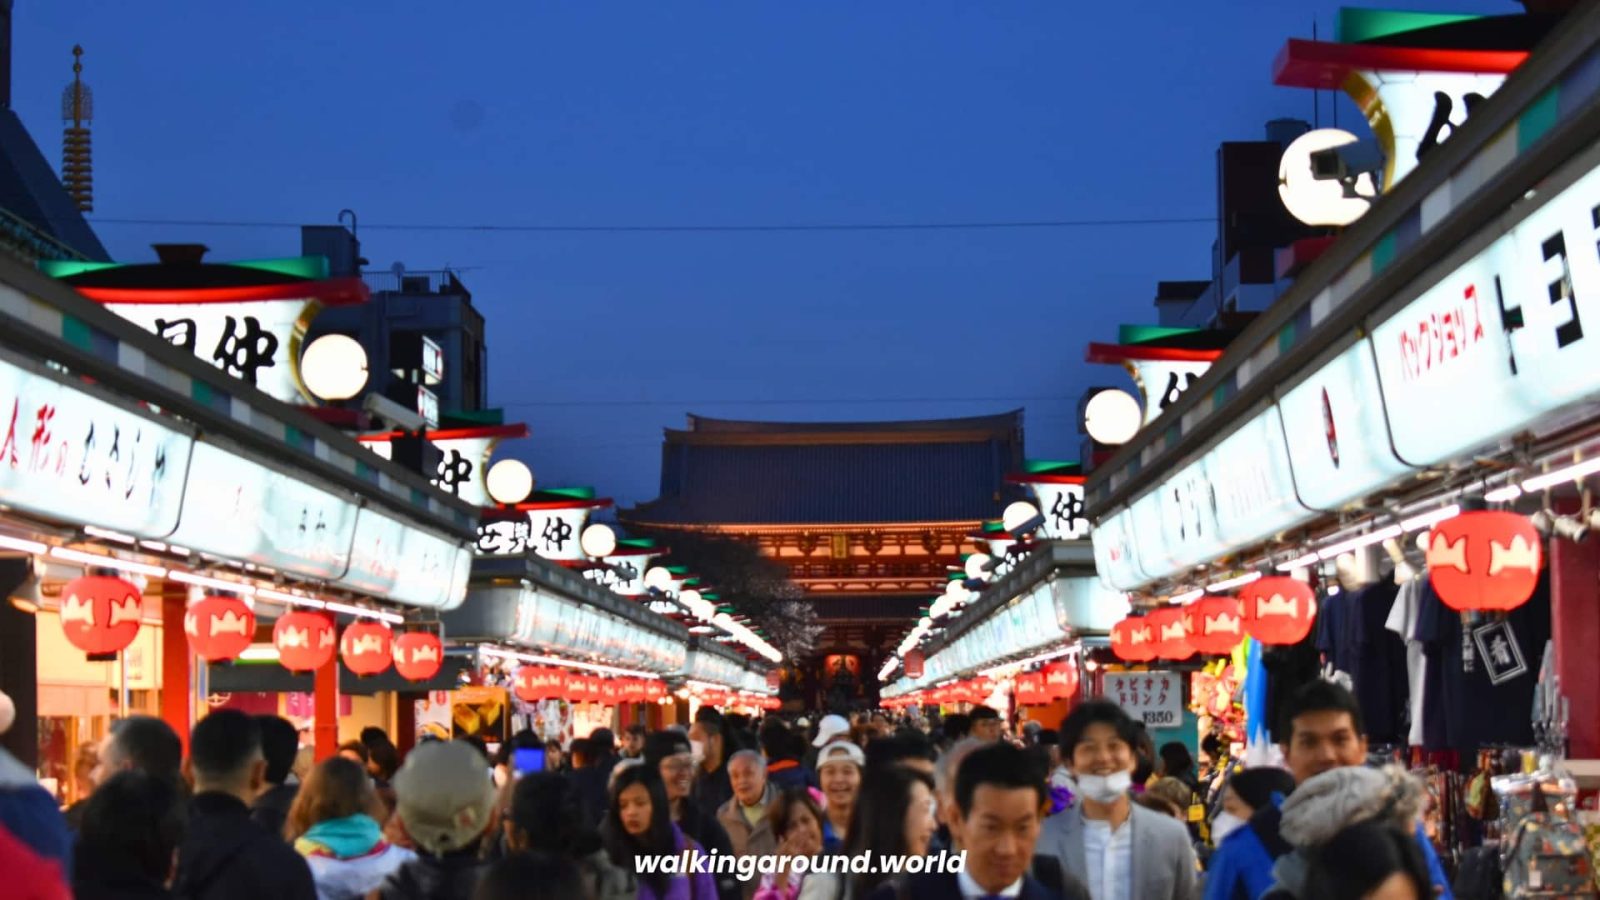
[
  {"x": 535, "y": 683},
  {"x": 1273, "y": 610}
]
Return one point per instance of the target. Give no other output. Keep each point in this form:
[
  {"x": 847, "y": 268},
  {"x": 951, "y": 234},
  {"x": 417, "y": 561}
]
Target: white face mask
[
  {"x": 698, "y": 748},
  {"x": 1224, "y": 824},
  {"x": 1105, "y": 788}
]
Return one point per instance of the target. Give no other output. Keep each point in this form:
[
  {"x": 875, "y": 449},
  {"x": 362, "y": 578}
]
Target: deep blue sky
[{"x": 680, "y": 112}]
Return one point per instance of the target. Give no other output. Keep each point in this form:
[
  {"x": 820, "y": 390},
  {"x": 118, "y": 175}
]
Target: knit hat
[
  {"x": 1322, "y": 806},
  {"x": 444, "y": 796}
]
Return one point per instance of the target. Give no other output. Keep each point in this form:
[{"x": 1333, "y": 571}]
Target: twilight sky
[{"x": 682, "y": 113}]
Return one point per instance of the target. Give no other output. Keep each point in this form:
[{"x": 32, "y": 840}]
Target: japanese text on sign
[{"x": 1154, "y": 698}]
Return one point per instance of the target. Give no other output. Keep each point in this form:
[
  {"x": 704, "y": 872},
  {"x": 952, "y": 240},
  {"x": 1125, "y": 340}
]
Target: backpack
[{"x": 1548, "y": 857}]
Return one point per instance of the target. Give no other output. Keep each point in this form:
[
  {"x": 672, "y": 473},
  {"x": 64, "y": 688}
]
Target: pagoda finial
[{"x": 77, "y": 154}]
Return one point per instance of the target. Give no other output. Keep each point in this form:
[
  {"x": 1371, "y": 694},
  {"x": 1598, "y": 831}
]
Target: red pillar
[
  {"x": 325, "y": 707},
  {"x": 1575, "y": 620},
  {"x": 405, "y": 720},
  {"x": 177, "y": 681}
]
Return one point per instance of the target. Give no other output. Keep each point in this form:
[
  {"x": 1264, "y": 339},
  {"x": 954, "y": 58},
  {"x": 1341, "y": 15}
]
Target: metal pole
[{"x": 122, "y": 684}]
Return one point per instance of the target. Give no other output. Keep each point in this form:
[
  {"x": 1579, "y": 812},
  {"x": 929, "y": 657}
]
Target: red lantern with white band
[
  {"x": 1484, "y": 560},
  {"x": 219, "y": 628}
]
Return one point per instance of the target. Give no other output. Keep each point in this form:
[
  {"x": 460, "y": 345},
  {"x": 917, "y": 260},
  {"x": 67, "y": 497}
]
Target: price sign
[{"x": 1154, "y": 698}]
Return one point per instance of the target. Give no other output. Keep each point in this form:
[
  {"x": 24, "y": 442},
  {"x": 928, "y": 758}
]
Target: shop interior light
[
  {"x": 1013, "y": 666},
  {"x": 109, "y": 562},
  {"x": 1299, "y": 562},
  {"x": 1228, "y": 584},
  {"x": 259, "y": 653},
  {"x": 497, "y": 653},
  {"x": 216, "y": 584},
  {"x": 1359, "y": 541},
  {"x": 1428, "y": 520},
  {"x": 1503, "y": 495},
  {"x": 1188, "y": 596},
  {"x": 289, "y": 599},
  {"x": 363, "y": 612},
  {"x": 108, "y": 534},
  {"x": 26, "y": 546},
  {"x": 1569, "y": 473}
]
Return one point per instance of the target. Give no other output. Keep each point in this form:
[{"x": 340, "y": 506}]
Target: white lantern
[
  {"x": 975, "y": 565},
  {"x": 334, "y": 367},
  {"x": 1112, "y": 417},
  {"x": 1321, "y": 201},
  {"x": 509, "y": 481}
]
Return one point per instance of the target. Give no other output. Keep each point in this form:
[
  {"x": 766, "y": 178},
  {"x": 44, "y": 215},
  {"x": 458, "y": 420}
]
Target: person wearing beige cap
[
  {"x": 445, "y": 801},
  {"x": 839, "y": 767}
]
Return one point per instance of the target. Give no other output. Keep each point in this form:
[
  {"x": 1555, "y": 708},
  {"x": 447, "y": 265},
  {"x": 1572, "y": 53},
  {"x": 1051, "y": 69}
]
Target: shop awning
[
  {"x": 1425, "y": 336},
  {"x": 120, "y": 430}
]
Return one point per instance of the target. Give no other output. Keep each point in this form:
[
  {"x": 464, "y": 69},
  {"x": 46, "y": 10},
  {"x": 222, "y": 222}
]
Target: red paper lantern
[
  {"x": 1278, "y": 609},
  {"x": 1061, "y": 680},
  {"x": 1172, "y": 639},
  {"x": 1133, "y": 640},
  {"x": 219, "y": 628},
  {"x": 367, "y": 647},
  {"x": 913, "y": 662},
  {"x": 418, "y": 655},
  {"x": 1484, "y": 560},
  {"x": 304, "y": 640},
  {"x": 99, "y": 614},
  {"x": 1213, "y": 625}
]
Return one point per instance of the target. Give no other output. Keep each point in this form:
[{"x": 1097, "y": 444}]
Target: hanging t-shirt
[
  {"x": 1487, "y": 667},
  {"x": 1378, "y": 663},
  {"x": 1402, "y": 622},
  {"x": 1330, "y": 631}
]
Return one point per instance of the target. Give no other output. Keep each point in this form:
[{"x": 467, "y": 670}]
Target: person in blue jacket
[
  {"x": 1322, "y": 731},
  {"x": 1241, "y": 866}
]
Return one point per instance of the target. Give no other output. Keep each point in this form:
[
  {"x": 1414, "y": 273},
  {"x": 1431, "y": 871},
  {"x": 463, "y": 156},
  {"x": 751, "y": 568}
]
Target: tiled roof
[{"x": 856, "y": 473}]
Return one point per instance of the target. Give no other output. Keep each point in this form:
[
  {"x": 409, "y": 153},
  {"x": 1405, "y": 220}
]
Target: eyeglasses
[{"x": 677, "y": 763}]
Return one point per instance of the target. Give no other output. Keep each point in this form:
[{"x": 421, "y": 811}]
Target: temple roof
[
  {"x": 730, "y": 472},
  {"x": 30, "y": 190}
]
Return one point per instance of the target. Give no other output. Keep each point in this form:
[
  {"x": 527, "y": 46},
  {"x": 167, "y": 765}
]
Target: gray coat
[{"x": 1163, "y": 861}]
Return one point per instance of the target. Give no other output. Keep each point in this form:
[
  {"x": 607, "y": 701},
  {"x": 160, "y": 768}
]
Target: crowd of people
[{"x": 1089, "y": 811}]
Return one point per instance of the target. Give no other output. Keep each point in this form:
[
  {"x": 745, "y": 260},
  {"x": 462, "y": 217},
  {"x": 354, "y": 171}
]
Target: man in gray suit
[{"x": 1122, "y": 851}]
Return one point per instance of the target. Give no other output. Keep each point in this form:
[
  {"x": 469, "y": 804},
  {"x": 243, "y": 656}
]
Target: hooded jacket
[
  {"x": 349, "y": 857},
  {"x": 453, "y": 876},
  {"x": 1326, "y": 804},
  {"x": 226, "y": 856}
]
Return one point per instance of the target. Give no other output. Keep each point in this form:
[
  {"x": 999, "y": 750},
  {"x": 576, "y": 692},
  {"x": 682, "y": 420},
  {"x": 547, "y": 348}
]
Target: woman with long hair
[
  {"x": 333, "y": 823},
  {"x": 893, "y": 817},
  {"x": 639, "y": 824}
]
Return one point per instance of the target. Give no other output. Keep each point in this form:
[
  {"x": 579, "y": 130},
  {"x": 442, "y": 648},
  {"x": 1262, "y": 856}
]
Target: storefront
[
  {"x": 1018, "y": 643},
  {"x": 1437, "y": 360},
  {"x": 137, "y": 480}
]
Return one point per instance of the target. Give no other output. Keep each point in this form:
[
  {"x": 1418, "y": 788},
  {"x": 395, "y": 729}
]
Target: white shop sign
[
  {"x": 550, "y": 533},
  {"x": 1511, "y": 334},
  {"x": 257, "y": 342},
  {"x": 239, "y": 509},
  {"x": 1062, "y": 507},
  {"x": 66, "y": 454},
  {"x": 1252, "y": 483},
  {"x": 406, "y": 564},
  {"x": 1338, "y": 439},
  {"x": 1154, "y": 698},
  {"x": 1163, "y": 381}
]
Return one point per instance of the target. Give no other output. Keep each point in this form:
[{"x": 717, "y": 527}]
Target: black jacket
[
  {"x": 101, "y": 886},
  {"x": 271, "y": 809},
  {"x": 226, "y": 856},
  {"x": 592, "y": 784},
  {"x": 713, "y": 789},
  {"x": 453, "y": 876}
]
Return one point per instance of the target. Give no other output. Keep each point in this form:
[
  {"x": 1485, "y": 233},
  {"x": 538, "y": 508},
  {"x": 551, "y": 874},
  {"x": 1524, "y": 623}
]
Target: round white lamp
[
  {"x": 509, "y": 481},
  {"x": 598, "y": 541},
  {"x": 1320, "y": 201},
  {"x": 1112, "y": 417},
  {"x": 334, "y": 367}
]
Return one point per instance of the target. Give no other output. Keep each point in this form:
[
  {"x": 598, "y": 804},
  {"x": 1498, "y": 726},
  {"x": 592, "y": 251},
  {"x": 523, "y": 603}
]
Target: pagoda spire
[{"x": 77, "y": 153}]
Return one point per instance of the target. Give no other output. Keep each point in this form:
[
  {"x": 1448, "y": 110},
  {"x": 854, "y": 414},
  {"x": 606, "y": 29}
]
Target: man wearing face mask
[
  {"x": 1119, "y": 850},
  {"x": 1241, "y": 866},
  {"x": 708, "y": 737}
]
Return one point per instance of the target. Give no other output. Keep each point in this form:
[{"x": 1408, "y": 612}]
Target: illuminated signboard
[
  {"x": 464, "y": 457},
  {"x": 69, "y": 455},
  {"x": 405, "y": 563},
  {"x": 256, "y": 342},
  {"x": 1338, "y": 438},
  {"x": 290, "y": 524}
]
